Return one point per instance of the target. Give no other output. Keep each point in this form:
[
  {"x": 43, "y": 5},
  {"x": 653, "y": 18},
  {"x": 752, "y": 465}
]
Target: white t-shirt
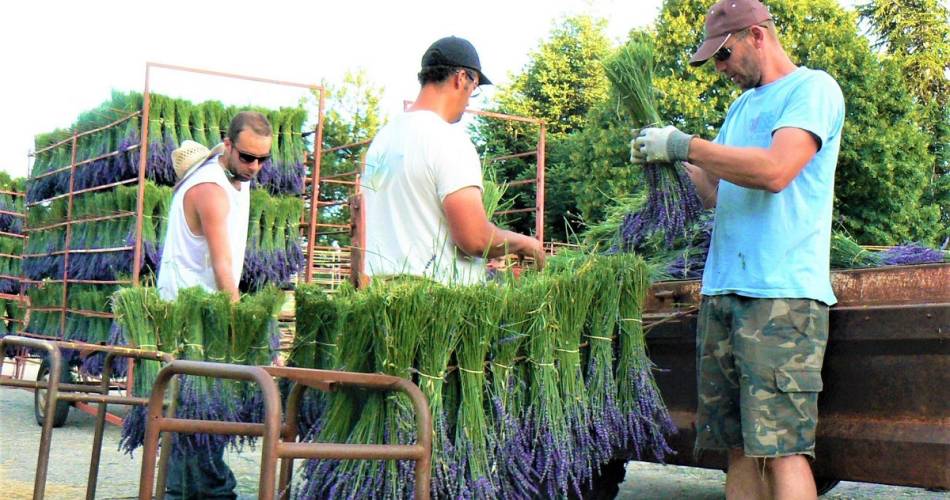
[
  {"x": 186, "y": 260},
  {"x": 414, "y": 162}
]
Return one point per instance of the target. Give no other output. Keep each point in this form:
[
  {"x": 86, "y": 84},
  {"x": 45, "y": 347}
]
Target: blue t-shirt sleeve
[{"x": 817, "y": 106}]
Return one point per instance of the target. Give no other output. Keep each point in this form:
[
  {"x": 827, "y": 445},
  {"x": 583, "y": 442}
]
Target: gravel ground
[{"x": 71, "y": 446}]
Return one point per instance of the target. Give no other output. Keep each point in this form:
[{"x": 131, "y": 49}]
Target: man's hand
[
  {"x": 660, "y": 145},
  {"x": 531, "y": 247}
]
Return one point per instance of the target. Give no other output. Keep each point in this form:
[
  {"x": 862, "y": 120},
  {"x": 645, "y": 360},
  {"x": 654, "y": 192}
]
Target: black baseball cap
[{"x": 454, "y": 51}]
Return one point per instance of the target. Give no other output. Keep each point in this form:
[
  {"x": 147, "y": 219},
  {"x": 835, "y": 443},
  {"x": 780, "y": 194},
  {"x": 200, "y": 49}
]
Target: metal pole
[
  {"x": 69, "y": 232},
  {"x": 315, "y": 188},
  {"x": 539, "y": 198},
  {"x": 290, "y": 435},
  {"x": 42, "y": 461},
  {"x": 100, "y": 428},
  {"x": 143, "y": 163}
]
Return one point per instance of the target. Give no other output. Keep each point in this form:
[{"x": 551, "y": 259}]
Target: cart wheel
[
  {"x": 825, "y": 484},
  {"x": 39, "y": 396}
]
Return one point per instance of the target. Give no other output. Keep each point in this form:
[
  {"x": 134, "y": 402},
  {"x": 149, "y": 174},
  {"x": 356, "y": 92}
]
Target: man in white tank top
[{"x": 204, "y": 246}]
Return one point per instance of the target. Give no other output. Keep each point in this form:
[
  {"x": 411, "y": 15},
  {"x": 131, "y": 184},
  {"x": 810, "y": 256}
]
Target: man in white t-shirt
[{"x": 422, "y": 184}]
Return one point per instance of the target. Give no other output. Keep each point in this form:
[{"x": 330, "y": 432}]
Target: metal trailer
[{"x": 884, "y": 413}]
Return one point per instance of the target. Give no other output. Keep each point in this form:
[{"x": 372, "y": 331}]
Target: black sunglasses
[
  {"x": 723, "y": 54},
  {"x": 249, "y": 158}
]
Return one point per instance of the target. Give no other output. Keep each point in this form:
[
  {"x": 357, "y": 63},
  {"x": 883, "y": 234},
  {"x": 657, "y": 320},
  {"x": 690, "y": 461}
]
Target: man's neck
[
  {"x": 227, "y": 173},
  {"x": 430, "y": 99},
  {"x": 777, "y": 67}
]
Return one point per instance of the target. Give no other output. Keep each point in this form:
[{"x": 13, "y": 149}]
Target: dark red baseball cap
[{"x": 725, "y": 18}]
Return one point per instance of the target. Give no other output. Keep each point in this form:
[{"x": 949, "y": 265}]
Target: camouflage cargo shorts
[{"x": 759, "y": 374}]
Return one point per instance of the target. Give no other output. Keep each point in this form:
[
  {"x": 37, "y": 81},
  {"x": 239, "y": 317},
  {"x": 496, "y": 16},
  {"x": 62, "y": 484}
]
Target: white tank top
[{"x": 186, "y": 260}]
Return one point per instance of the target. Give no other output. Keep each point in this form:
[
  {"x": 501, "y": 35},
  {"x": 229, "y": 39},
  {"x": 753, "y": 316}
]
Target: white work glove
[{"x": 659, "y": 145}]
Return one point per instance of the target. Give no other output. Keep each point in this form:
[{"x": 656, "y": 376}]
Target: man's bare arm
[
  {"x": 475, "y": 235},
  {"x": 210, "y": 205},
  {"x": 770, "y": 169}
]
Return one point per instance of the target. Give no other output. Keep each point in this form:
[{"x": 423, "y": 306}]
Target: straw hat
[{"x": 191, "y": 155}]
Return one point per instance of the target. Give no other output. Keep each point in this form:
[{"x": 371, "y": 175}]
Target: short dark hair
[
  {"x": 252, "y": 120},
  {"x": 439, "y": 74}
]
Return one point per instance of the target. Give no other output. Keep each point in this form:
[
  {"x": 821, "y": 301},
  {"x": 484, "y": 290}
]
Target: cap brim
[
  {"x": 482, "y": 79},
  {"x": 707, "y": 49}
]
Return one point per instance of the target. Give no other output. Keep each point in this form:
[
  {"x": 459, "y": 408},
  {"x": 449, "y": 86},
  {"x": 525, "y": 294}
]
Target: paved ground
[{"x": 19, "y": 441}]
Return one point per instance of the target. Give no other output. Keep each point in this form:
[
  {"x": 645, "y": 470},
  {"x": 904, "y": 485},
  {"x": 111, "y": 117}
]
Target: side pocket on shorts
[{"x": 798, "y": 380}]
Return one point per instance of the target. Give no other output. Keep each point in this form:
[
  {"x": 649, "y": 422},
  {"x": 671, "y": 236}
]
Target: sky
[{"x": 60, "y": 58}]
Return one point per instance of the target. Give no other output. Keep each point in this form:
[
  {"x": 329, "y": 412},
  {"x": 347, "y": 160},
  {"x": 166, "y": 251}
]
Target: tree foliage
[
  {"x": 562, "y": 82},
  {"x": 352, "y": 117},
  {"x": 915, "y": 34}
]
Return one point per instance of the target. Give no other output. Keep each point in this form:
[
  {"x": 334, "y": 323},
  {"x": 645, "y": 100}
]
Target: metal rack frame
[
  {"x": 279, "y": 440},
  {"x": 87, "y": 393}
]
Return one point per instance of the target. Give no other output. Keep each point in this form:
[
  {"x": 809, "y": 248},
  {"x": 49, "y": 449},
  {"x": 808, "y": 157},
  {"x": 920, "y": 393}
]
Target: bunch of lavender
[
  {"x": 571, "y": 297},
  {"x": 646, "y": 421},
  {"x": 335, "y": 478},
  {"x": 672, "y": 203},
  {"x": 437, "y": 344},
  {"x": 912, "y": 253},
  {"x": 474, "y": 441},
  {"x": 508, "y": 392},
  {"x": 543, "y": 414},
  {"x": 691, "y": 260},
  {"x": 606, "y": 420}
]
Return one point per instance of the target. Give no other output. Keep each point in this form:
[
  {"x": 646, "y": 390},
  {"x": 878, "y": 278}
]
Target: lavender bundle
[
  {"x": 407, "y": 315},
  {"x": 317, "y": 326},
  {"x": 912, "y": 253},
  {"x": 646, "y": 420},
  {"x": 606, "y": 418},
  {"x": 254, "y": 325},
  {"x": 572, "y": 293},
  {"x": 335, "y": 478},
  {"x": 436, "y": 345},
  {"x": 847, "y": 254},
  {"x": 672, "y": 203},
  {"x": 543, "y": 415},
  {"x": 507, "y": 392},
  {"x": 474, "y": 442},
  {"x": 132, "y": 307}
]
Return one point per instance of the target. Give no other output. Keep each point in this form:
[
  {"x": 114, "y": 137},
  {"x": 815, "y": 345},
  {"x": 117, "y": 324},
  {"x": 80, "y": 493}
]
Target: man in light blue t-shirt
[{"x": 763, "y": 322}]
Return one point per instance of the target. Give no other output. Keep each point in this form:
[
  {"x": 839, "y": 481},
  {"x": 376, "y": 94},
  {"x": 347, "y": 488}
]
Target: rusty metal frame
[
  {"x": 81, "y": 393},
  {"x": 315, "y": 180},
  {"x": 143, "y": 151},
  {"x": 279, "y": 442}
]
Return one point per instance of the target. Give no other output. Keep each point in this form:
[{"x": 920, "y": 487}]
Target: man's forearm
[
  {"x": 707, "y": 184},
  {"x": 225, "y": 281},
  {"x": 505, "y": 242},
  {"x": 747, "y": 167}
]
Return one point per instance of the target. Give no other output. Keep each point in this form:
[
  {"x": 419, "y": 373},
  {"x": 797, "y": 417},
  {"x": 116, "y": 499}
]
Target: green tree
[
  {"x": 916, "y": 35},
  {"x": 352, "y": 118},
  {"x": 562, "y": 81}
]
